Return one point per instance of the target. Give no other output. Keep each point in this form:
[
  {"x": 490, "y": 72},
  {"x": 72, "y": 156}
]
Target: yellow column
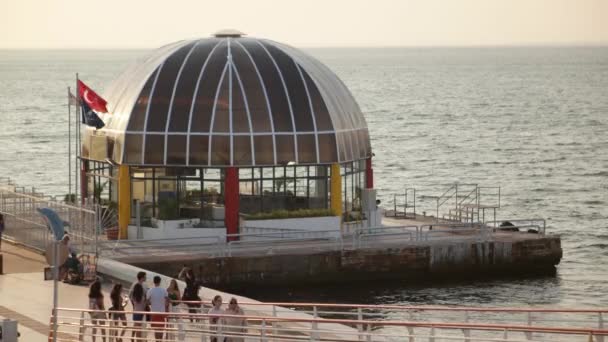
[
  {"x": 124, "y": 201},
  {"x": 336, "y": 190}
]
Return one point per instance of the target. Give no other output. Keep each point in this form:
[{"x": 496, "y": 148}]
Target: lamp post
[{"x": 56, "y": 226}]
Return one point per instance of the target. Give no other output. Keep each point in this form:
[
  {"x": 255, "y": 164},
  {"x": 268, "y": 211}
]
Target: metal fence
[
  {"x": 78, "y": 325},
  {"x": 24, "y": 224}
]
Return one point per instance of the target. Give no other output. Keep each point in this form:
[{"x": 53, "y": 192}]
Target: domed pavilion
[{"x": 209, "y": 129}]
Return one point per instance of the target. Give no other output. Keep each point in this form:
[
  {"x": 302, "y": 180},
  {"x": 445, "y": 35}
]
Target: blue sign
[{"x": 53, "y": 221}]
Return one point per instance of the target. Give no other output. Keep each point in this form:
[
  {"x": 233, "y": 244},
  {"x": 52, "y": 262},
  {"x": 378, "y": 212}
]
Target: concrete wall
[
  {"x": 414, "y": 262},
  {"x": 175, "y": 229}
]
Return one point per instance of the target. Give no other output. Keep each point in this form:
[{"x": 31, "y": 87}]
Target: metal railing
[
  {"x": 78, "y": 325},
  {"x": 468, "y": 205},
  {"x": 25, "y": 225},
  {"x": 294, "y": 242},
  {"x": 404, "y": 205}
]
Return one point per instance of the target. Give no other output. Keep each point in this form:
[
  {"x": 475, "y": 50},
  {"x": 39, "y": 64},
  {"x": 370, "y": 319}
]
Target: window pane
[
  {"x": 199, "y": 149},
  {"x": 285, "y": 149},
  {"x": 263, "y": 150},
  {"x": 138, "y": 115},
  {"x": 321, "y": 113},
  {"x": 220, "y": 150},
  {"x": 221, "y": 118},
  {"x": 242, "y": 150},
  {"x": 155, "y": 149},
  {"x": 273, "y": 84},
  {"x": 157, "y": 117},
  {"x": 240, "y": 119},
  {"x": 176, "y": 149},
  {"x": 295, "y": 87},
  {"x": 307, "y": 149},
  {"x": 203, "y": 106},
  {"x": 258, "y": 108},
  {"x": 133, "y": 144},
  {"x": 180, "y": 112},
  {"x": 327, "y": 148}
]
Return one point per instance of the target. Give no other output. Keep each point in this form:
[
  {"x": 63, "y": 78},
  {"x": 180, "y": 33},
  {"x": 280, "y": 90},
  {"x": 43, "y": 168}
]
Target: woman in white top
[
  {"x": 234, "y": 325},
  {"x": 215, "y": 322},
  {"x": 96, "y": 303}
]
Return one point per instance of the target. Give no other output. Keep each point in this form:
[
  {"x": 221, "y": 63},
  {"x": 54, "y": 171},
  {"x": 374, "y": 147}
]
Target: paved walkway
[{"x": 26, "y": 297}]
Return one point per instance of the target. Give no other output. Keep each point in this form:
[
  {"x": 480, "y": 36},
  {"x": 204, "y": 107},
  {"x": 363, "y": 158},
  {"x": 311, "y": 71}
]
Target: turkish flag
[{"x": 91, "y": 98}]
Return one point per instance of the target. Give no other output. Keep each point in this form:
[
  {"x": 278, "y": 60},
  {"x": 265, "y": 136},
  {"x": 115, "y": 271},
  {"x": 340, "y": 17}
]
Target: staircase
[{"x": 468, "y": 203}]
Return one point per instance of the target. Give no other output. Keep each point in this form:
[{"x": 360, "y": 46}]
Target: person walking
[
  {"x": 138, "y": 300},
  {"x": 118, "y": 315},
  {"x": 158, "y": 299},
  {"x": 174, "y": 297},
  {"x": 96, "y": 303},
  {"x": 215, "y": 319},
  {"x": 1, "y": 229},
  {"x": 235, "y": 326},
  {"x": 191, "y": 290}
]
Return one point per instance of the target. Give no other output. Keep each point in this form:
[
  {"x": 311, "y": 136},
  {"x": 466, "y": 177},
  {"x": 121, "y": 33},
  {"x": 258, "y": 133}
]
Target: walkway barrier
[
  {"x": 77, "y": 325},
  {"x": 293, "y": 242},
  {"x": 25, "y": 225}
]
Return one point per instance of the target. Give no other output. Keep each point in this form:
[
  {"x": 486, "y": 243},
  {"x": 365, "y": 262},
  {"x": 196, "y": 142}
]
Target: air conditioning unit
[
  {"x": 8, "y": 331},
  {"x": 368, "y": 200}
]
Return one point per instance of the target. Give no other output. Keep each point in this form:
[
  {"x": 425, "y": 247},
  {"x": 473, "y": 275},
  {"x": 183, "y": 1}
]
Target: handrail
[
  {"x": 412, "y": 307},
  {"x": 350, "y": 322}
]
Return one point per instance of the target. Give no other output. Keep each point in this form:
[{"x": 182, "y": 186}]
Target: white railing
[
  {"x": 77, "y": 325},
  {"x": 283, "y": 242}
]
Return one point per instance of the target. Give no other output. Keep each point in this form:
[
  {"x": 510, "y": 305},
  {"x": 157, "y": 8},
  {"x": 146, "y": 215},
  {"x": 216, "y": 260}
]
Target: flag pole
[
  {"x": 77, "y": 151},
  {"x": 69, "y": 146}
]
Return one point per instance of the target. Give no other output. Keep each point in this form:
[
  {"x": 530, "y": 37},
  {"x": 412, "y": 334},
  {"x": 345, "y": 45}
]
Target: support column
[
  {"x": 336, "y": 190},
  {"x": 231, "y": 201},
  {"x": 124, "y": 201},
  {"x": 369, "y": 174},
  {"x": 84, "y": 180}
]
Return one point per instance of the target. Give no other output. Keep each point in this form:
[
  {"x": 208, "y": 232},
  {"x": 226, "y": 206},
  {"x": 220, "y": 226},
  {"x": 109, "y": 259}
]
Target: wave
[{"x": 595, "y": 174}]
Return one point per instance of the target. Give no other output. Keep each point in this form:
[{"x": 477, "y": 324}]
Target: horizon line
[{"x": 438, "y": 46}]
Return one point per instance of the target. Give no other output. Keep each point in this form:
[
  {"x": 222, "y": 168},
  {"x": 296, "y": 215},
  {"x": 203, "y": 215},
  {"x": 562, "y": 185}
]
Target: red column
[
  {"x": 84, "y": 181},
  {"x": 231, "y": 201},
  {"x": 369, "y": 174}
]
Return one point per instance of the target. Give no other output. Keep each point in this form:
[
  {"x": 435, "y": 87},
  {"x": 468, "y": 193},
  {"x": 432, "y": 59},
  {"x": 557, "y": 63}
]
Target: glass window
[
  {"x": 176, "y": 149},
  {"x": 199, "y": 149},
  {"x": 203, "y": 105},
  {"x": 157, "y": 117},
  {"x": 138, "y": 115},
  {"x": 180, "y": 112},
  {"x": 254, "y": 93},
  {"x": 318, "y": 103},
  {"x": 327, "y": 148},
  {"x": 220, "y": 150},
  {"x": 264, "y": 153},
  {"x": 307, "y": 149},
  {"x": 133, "y": 144},
  {"x": 240, "y": 119},
  {"x": 274, "y": 87},
  {"x": 296, "y": 90},
  {"x": 221, "y": 118},
  {"x": 285, "y": 149},
  {"x": 242, "y": 150},
  {"x": 155, "y": 149}
]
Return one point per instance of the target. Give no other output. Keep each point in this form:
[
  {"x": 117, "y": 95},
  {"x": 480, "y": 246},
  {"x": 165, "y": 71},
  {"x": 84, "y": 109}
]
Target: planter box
[{"x": 327, "y": 226}]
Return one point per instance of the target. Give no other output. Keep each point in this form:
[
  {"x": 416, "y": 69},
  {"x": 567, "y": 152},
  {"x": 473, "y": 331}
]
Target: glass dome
[{"x": 228, "y": 100}]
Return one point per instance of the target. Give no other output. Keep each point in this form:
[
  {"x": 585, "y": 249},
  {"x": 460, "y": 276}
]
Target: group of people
[{"x": 155, "y": 305}]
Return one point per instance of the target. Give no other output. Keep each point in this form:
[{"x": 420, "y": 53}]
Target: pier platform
[{"x": 407, "y": 249}]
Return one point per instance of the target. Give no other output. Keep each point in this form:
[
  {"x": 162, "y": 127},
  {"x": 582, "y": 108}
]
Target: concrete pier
[{"x": 504, "y": 253}]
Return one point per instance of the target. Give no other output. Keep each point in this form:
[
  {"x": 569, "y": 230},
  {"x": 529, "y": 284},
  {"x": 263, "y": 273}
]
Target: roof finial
[{"x": 228, "y": 33}]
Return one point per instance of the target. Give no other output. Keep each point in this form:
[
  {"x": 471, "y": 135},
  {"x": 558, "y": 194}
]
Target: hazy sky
[{"x": 308, "y": 23}]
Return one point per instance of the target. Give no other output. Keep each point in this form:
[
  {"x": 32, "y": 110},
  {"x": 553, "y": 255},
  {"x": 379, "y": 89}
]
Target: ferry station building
[{"x": 210, "y": 131}]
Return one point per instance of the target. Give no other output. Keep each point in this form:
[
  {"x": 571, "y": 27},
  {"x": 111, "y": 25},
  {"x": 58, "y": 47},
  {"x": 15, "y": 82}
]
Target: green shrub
[
  {"x": 284, "y": 214},
  {"x": 69, "y": 198},
  {"x": 168, "y": 209}
]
